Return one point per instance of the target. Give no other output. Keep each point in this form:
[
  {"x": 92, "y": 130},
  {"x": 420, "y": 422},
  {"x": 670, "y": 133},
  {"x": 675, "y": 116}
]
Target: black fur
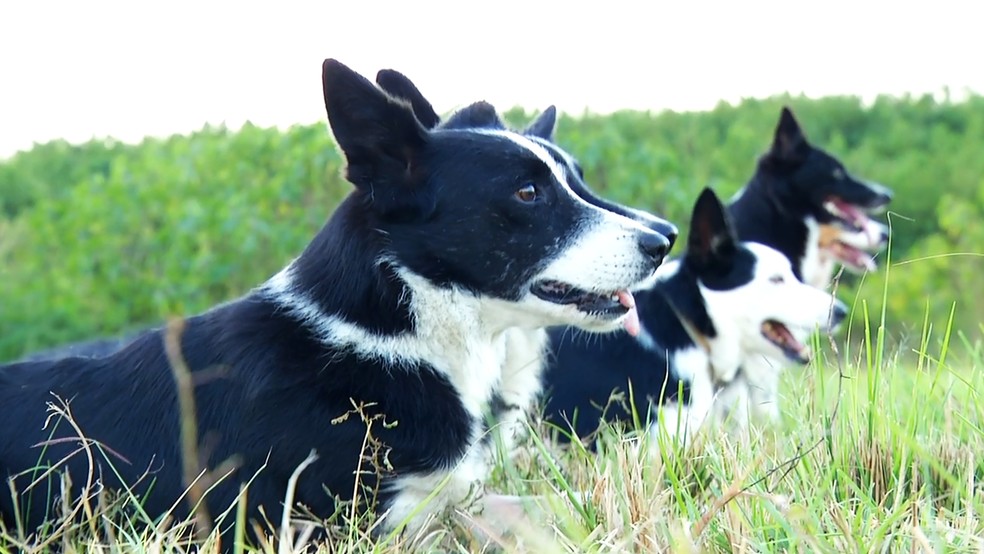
[
  {"x": 790, "y": 184},
  {"x": 399, "y": 86},
  {"x": 277, "y": 388},
  {"x": 88, "y": 349},
  {"x": 478, "y": 115},
  {"x": 584, "y": 371},
  {"x": 483, "y": 115}
]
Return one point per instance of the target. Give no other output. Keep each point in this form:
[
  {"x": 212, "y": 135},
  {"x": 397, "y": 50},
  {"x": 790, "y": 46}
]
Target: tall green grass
[{"x": 869, "y": 456}]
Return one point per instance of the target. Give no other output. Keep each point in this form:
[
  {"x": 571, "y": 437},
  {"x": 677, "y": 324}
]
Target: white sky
[{"x": 125, "y": 69}]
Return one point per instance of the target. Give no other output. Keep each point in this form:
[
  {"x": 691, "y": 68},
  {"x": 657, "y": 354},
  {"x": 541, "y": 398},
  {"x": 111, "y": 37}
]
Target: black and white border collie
[
  {"x": 389, "y": 324},
  {"x": 800, "y": 201},
  {"x": 803, "y": 202},
  {"x": 782, "y": 174},
  {"x": 723, "y": 304},
  {"x": 523, "y": 348}
]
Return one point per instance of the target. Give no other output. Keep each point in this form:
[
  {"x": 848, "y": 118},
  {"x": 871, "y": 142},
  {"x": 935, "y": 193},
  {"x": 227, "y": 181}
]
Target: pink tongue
[
  {"x": 857, "y": 257},
  {"x": 631, "y": 321},
  {"x": 850, "y": 211}
]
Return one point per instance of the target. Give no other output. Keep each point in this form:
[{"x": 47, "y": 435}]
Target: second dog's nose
[{"x": 655, "y": 246}]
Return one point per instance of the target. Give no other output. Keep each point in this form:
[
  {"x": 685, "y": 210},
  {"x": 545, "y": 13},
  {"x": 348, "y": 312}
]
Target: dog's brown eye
[
  {"x": 777, "y": 279},
  {"x": 527, "y": 193},
  {"x": 838, "y": 174}
]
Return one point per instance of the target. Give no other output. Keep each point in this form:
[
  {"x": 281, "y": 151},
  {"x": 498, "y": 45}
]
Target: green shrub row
[{"x": 103, "y": 237}]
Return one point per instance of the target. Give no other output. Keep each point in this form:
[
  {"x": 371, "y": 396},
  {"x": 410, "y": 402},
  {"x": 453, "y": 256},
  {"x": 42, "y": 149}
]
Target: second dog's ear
[
  {"x": 789, "y": 142},
  {"x": 479, "y": 115},
  {"x": 712, "y": 243},
  {"x": 380, "y": 137},
  {"x": 544, "y": 125},
  {"x": 398, "y": 85}
]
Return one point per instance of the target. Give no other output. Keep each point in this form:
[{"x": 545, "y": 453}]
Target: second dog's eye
[
  {"x": 527, "y": 193},
  {"x": 838, "y": 174},
  {"x": 777, "y": 279}
]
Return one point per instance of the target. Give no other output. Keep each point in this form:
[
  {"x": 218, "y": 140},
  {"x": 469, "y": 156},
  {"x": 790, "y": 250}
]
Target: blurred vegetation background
[{"x": 101, "y": 238}]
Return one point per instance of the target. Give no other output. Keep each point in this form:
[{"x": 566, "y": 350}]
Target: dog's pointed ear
[
  {"x": 789, "y": 141},
  {"x": 479, "y": 115},
  {"x": 544, "y": 125},
  {"x": 712, "y": 243},
  {"x": 398, "y": 85},
  {"x": 380, "y": 136}
]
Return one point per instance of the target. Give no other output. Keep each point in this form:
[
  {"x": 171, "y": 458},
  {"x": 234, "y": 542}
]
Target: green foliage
[
  {"x": 171, "y": 227},
  {"x": 102, "y": 237}
]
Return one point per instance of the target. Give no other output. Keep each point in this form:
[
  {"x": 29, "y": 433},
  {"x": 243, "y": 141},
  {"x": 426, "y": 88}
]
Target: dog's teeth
[{"x": 832, "y": 208}]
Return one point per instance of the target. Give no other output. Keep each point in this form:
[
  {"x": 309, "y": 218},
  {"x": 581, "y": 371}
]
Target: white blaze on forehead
[
  {"x": 638, "y": 215},
  {"x": 769, "y": 260},
  {"x": 549, "y": 146},
  {"x": 543, "y": 154},
  {"x": 537, "y": 150}
]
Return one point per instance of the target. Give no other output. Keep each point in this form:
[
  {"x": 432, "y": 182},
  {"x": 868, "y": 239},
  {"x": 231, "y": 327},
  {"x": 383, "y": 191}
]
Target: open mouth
[
  {"x": 851, "y": 216},
  {"x": 852, "y": 257},
  {"x": 779, "y": 335},
  {"x": 609, "y": 306},
  {"x": 615, "y": 303}
]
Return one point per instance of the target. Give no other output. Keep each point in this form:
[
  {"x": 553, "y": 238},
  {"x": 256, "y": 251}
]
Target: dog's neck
[
  {"x": 343, "y": 273},
  {"x": 758, "y": 217},
  {"x": 446, "y": 329},
  {"x": 679, "y": 332},
  {"x": 724, "y": 358}
]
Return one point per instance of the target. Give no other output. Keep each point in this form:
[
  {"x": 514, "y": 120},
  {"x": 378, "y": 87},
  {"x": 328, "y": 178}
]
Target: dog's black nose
[
  {"x": 883, "y": 195},
  {"x": 654, "y": 245},
  {"x": 883, "y": 238},
  {"x": 669, "y": 231},
  {"x": 838, "y": 313}
]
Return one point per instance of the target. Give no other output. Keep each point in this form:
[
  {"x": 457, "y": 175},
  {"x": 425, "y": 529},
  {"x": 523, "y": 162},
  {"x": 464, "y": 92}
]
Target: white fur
[
  {"x": 463, "y": 337},
  {"x": 640, "y": 216},
  {"x": 603, "y": 258},
  {"x": 819, "y": 273},
  {"x": 739, "y": 313},
  {"x": 815, "y": 268},
  {"x": 682, "y": 421},
  {"x": 457, "y": 335},
  {"x": 739, "y": 356},
  {"x": 753, "y": 395},
  {"x": 522, "y": 352},
  {"x": 560, "y": 175},
  {"x": 871, "y": 237},
  {"x": 738, "y": 316}
]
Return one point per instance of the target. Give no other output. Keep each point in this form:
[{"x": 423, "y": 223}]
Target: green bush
[{"x": 103, "y": 237}]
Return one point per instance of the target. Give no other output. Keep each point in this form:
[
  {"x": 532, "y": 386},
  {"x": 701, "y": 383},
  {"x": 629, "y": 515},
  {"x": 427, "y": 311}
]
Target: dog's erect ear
[
  {"x": 380, "y": 136},
  {"x": 480, "y": 115},
  {"x": 544, "y": 125},
  {"x": 789, "y": 141},
  {"x": 398, "y": 85},
  {"x": 712, "y": 243}
]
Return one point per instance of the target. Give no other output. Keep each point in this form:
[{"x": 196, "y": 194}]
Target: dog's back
[
  {"x": 261, "y": 408},
  {"x": 378, "y": 347}
]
